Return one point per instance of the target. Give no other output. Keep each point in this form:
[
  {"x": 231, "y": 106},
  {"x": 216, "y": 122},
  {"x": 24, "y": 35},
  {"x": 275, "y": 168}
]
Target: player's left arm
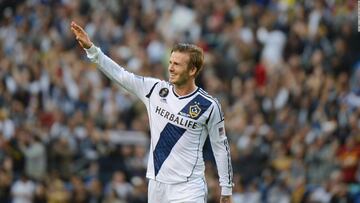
[{"x": 221, "y": 150}]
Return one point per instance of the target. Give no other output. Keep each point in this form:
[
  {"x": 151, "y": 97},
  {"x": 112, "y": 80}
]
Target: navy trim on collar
[{"x": 186, "y": 96}]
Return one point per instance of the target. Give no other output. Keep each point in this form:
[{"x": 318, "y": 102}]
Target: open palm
[{"x": 81, "y": 36}]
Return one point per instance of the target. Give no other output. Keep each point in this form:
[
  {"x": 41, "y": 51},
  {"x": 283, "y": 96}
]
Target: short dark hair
[{"x": 196, "y": 55}]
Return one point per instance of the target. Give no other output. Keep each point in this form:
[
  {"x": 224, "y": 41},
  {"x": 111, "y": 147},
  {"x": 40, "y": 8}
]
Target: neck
[{"x": 185, "y": 89}]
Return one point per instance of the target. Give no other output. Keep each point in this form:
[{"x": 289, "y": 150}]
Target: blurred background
[{"x": 286, "y": 72}]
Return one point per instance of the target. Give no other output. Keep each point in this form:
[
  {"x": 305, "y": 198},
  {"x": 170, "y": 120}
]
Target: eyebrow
[{"x": 174, "y": 62}]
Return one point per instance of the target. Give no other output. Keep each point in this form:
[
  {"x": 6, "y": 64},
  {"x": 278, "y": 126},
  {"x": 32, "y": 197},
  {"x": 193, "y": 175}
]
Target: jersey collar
[{"x": 185, "y": 96}]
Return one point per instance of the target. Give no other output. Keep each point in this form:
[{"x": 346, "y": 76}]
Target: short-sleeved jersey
[{"x": 179, "y": 126}]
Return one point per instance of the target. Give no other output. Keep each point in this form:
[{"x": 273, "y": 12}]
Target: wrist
[
  {"x": 226, "y": 191},
  {"x": 92, "y": 50},
  {"x": 88, "y": 46}
]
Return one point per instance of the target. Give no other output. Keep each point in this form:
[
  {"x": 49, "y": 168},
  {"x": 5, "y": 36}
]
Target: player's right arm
[
  {"x": 138, "y": 85},
  {"x": 81, "y": 36}
]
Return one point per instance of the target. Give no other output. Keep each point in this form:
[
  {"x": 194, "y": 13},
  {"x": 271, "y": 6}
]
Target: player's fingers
[
  {"x": 76, "y": 33},
  {"x": 73, "y": 30},
  {"x": 78, "y": 28},
  {"x": 73, "y": 25}
]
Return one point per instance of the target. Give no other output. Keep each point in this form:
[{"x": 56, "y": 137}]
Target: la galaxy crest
[
  {"x": 194, "y": 110},
  {"x": 196, "y": 107}
]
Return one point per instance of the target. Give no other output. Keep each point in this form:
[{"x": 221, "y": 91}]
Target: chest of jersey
[{"x": 190, "y": 113}]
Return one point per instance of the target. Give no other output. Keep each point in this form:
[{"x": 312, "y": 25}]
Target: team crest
[
  {"x": 196, "y": 107},
  {"x": 194, "y": 111},
  {"x": 163, "y": 92}
]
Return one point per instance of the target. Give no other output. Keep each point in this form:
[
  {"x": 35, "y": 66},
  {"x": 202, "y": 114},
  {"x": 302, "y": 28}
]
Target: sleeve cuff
[
  {"x": 92, "y": 51},
  {"x": 226, "y": 191}
]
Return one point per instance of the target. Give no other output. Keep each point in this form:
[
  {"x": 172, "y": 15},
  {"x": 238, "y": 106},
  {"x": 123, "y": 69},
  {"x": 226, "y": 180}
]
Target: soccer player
[{"x": 181, "y": 117}]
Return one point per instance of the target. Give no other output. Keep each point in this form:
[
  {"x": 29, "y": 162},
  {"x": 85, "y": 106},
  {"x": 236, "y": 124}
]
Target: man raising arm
[{"x": 181, "y": 117}]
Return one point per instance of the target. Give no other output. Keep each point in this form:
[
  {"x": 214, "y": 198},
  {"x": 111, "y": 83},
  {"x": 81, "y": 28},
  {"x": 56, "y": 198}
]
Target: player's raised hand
[{"x": 81, "y": 36}]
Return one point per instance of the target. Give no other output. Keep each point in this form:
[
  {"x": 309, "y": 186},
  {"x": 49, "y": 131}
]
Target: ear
[{"x": 193, "y": 71}]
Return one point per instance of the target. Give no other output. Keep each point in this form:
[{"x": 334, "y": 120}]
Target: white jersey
[{"x": 179, "y": 126}]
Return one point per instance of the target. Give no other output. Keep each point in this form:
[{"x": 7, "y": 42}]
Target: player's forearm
[
  {"x": 107, "y": 66},
  {"x": 223, "y": 161},
  {"x": 115, "y": 72},
  {"x": 111, "y": 69}
]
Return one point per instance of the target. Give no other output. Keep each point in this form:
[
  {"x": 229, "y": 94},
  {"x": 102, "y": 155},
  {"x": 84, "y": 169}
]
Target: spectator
[
  {"x": 35, "y": 158},
  {"x": 5, "y": 184},
  {"x": 57, "y": 192},
  {"x": 23, "y": 190},
  {"x": 349, "y": 155},
  {"x": 95, "y": 191},
  {"x": 61, "y": 157},
  {"x": 119, "y": 185}
]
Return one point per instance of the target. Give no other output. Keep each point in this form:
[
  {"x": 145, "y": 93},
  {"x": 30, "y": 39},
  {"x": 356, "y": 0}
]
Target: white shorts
[{"x": 193, "y": 191}]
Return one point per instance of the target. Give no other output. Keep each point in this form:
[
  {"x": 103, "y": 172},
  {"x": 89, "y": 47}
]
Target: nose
[{"x": 171, "y": 67}]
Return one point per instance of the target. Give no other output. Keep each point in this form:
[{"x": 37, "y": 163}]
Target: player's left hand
[{"x": 225, "y": 199}]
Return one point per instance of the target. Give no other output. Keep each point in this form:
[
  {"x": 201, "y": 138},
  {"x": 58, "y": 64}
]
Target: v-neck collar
[{"x": 185, "y": 96}]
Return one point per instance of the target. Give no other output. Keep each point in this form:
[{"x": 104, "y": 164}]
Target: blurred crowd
[{"x": 286, "y": 72}]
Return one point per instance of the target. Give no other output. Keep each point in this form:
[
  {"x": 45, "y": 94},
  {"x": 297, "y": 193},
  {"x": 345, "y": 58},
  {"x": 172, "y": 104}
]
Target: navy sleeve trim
[
  {"x": 152, "y": 89},
  {"x": 220, "y": 121},
  {"x": 207, "y": 120},
  {"x": 228, "y": 159}
]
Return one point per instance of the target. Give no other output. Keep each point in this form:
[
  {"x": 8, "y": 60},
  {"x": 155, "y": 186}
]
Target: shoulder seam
[
  {"x": 152, "y": 89},
  {"x": 214, "y": 100}
]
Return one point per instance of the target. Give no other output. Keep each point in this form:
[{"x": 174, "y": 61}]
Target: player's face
[{"x": 179, "y": 72}]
